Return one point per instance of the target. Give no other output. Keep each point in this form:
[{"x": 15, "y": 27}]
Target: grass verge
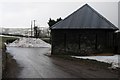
[
  {"x": 6, "y": 40},
  {"x": 12, "y": 69},
  {"x": 5, "y": 56},
  {"x": 47, "y": 40}
]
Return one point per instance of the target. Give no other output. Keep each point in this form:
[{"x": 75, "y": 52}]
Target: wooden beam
[
  {"x": 79, "y": 38},
  {"x": 65, "y": 41},
  {"x": 96, "y": 42}
]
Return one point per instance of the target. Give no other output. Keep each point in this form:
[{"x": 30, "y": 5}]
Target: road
[{"x": 34, "y": 64}]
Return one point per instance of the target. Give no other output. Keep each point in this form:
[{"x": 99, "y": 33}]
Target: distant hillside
[{"x": 24, "y": 31}]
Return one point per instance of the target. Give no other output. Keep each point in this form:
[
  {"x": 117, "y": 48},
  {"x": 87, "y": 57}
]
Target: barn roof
[{"x": 84, "y": 18}]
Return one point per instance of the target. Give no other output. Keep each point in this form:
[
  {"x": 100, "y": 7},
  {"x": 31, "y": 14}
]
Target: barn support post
[
  {"x": 79, "y": 38},
  {"x": 115, "y": 43},
  {"x": 65, "y": 41},
  {"x": 106, "y": 39},
  {"x": 51, "y": 42},
  {"x": 96, "y": 42}
]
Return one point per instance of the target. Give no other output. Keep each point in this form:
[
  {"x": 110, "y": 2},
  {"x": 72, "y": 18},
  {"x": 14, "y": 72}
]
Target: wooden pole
[
  {"x": 79, "y": 40},
  {"x": 96, "y": 42},
  {"x": 34, "y": 23},
  {"x": 65, "y": 41},
  {"x": 31, "y": 28},
  {"x": 34, "y": 29}
]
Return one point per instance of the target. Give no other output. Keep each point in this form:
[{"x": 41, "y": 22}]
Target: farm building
[{"x": 84, "y": 32}]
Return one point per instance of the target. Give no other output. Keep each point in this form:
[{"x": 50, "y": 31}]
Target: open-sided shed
[{"x": 84, "y": 32}]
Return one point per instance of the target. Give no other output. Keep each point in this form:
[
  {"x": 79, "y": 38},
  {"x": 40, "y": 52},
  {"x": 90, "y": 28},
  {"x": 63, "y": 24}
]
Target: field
[{"x": 6, "y": 39}]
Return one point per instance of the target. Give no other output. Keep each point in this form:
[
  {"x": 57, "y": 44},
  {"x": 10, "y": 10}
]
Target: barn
[{"x": 84, "y": 32}]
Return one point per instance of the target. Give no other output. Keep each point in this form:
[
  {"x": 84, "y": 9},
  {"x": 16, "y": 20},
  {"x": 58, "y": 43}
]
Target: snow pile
[
  {"x": 29, "y": 42},
  {"x": 114, "y": 60}
]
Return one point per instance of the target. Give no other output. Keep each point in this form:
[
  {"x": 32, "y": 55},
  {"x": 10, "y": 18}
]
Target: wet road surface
[{"x": 35, "y": 64}]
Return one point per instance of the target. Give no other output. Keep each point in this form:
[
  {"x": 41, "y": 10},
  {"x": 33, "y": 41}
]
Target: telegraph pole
[
  {"x": 35, "y": 31},
  {"x": 34, "y": 22},
  {"x": 31, "y": 28}
]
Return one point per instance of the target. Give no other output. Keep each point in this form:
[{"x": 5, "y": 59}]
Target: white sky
[{"x": 18, "y": 13}]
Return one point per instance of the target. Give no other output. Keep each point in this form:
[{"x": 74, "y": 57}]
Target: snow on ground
[
  {"x": 29, "y": 42},
  {"x": 114, "y": 60},
  {"x": 9, "y": 36}
]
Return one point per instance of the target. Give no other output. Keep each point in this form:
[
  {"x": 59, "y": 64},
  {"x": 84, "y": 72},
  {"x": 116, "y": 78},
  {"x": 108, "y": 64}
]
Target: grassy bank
[
  {"x": 12, "y": 69},
  {"x": 5, "y": 56},
  {"x": 6, "y": 40},
  {"x": 47, "y": 40}
]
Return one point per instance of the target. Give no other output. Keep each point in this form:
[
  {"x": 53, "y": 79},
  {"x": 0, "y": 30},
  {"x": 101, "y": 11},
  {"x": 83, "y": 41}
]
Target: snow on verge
[
  {"x": 29, "y": 42},
  {"x": 114, "y": 60}
]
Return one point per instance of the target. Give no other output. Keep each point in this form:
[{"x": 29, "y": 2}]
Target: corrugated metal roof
[{"x": 84, "y": 18}]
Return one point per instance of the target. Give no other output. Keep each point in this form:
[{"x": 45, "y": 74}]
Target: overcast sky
[{"x": 19, "y": 14}]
